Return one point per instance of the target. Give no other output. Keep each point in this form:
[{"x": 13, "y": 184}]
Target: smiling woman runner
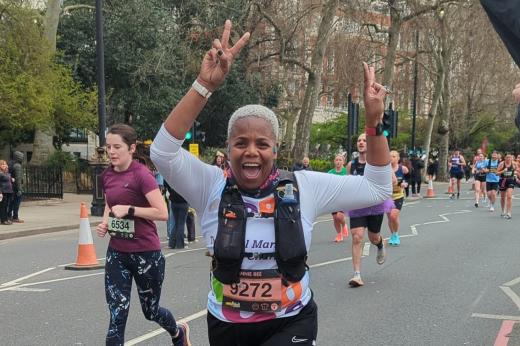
[
  {"x": 133, "y": 202},
  {"x": 257, "y": 222}
]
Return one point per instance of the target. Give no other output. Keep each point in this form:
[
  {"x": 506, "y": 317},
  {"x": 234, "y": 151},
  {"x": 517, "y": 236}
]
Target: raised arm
[
  {"x": 374, "y": 93},
  {"x": 214, "y": 69}
]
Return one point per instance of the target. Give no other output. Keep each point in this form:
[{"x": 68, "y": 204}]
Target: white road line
[
  {"x": 184, "y": 251},
  {"x": 366, "y": 249},
  {"x": 16, "y": 281},
  {"x": 156, "y": 332},
  {"x": 511, "y": 294},
  {"x": 51, "y": 281},
  {"x": 497, "y": 317},
  {"x": 512, "y": 282},
  {"x": 25, "y": 289},
  {"x": 330, "y": 262},
  {"x": 414, "y": 228}
]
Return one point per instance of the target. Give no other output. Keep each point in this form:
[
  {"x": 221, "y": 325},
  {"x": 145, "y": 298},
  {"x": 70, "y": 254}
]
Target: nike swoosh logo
[{"x": 296, "y": 340}]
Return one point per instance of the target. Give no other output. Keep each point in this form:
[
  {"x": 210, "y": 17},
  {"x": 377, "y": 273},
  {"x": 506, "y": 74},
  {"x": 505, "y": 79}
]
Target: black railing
[
  {"x": 83, "y": 178},
  {"x": 43, "y": 182}
]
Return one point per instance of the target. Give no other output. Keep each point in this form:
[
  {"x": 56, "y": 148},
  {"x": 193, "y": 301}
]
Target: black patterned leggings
[{"x": 147, "y": 269}]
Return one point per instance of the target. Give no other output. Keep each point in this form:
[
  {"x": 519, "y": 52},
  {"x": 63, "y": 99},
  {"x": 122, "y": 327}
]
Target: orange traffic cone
[
  {"x": 430, "y": 193},
  {"x": 86, "y": 251}
]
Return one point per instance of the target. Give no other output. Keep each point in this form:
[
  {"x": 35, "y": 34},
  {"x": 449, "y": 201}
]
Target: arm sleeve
[
  {"x": 186, "y": 174},
  {"x": 322, "y": 193}
]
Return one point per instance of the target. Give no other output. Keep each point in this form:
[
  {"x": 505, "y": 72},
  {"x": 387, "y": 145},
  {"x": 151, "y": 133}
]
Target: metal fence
[
  {"x": 43, "y": 182},
  {"x": 83, "y": 177}
]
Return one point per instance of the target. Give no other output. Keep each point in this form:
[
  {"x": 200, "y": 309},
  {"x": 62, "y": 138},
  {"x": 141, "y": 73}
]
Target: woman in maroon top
[{"x": 133, "y": 203}]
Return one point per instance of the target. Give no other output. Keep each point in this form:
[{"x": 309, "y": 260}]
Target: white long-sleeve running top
[{"x": 202, "y": 185}]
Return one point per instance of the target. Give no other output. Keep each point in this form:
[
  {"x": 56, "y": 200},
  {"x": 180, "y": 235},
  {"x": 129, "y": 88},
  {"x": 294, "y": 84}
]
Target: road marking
[
  {"x": 512, "y": 282},
  {"x": 25, "y": 289},
  {"x": 183, "y": 251},
  {"x": 503, "y": 335},
  {"x": 511, "y": 294},
  {"x": 330, "y": 262},
  {"x": 496, "y": 317},
  {"x": 156, "y": 332},
  {"x": 414, "y": 228},
  {"x": 51, "y": 281},
  {"x": 366, "y": 249},
  {"x": 15, "y": 282}
]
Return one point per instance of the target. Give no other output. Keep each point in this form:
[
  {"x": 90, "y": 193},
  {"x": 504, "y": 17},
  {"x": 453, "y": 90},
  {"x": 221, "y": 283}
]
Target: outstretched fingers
[
  {"x": 226, "y": 33},
  {"x": 369, "y": 75},
  {"x": 240, "y": 44}
]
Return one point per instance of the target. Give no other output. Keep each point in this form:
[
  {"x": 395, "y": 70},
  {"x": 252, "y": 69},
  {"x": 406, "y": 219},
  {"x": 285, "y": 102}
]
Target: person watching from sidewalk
[
  {"x": 416, "y": 175},
  {"x": 508, "y": 171},
  {"x": 305, "y": 164},
  {"x": 370, "y": 219},
  {"x": 133, "y": 203},
  {"x": 16, "y": 170},
  {"x": 338, "y": 217},
  {"x": 398, "y": 183},
  {"x": 492, "y": 179},
  {"x": 6, "y": 191},
  {"x": 261, "y": 205}
]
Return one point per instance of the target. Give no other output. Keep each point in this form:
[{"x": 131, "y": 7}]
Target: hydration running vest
[{"x": 290, "y": 250}]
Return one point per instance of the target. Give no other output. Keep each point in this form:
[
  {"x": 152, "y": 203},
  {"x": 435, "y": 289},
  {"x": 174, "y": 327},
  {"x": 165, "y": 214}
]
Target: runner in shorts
[
  {"x": 367, "y": 218},
  {"x": 398, "y": 183},
  {"x": 340, "y": 223},
  {"x": 508, "y": 172},
  {"x": 492, "y": 179},
  {"x": 456, "y": 167}
]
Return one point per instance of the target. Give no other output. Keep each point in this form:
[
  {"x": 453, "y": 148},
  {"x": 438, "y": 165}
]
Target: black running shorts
[
  {"x": 399, "y": 203},
  {"x": 457, "y": 175},
  {"x": 371, "y": 222},
  {"x": 480, "y": 177},
  {"x": 491, "y": 186},
  {"x": 300, "y": 330}
]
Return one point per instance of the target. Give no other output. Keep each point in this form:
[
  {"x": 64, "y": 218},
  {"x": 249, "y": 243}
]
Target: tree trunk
[
  {"x": 391, "y": 48},
  {"x": 42, "y": 144},
  {"x": 444, "y": 128},
  {"x": 303, "y": 127}
]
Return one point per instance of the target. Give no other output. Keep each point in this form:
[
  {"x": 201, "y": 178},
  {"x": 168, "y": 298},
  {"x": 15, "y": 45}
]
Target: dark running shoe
[{"x": 183, "y": 338}]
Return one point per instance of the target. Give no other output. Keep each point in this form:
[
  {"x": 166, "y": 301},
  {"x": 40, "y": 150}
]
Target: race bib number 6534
[{"x": 121, "y": 228}]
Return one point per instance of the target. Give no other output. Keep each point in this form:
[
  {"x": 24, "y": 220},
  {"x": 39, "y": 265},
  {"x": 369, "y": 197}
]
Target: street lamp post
[
  {"x": 415, "y": 82},
  {"x": 99, "y": 162}
]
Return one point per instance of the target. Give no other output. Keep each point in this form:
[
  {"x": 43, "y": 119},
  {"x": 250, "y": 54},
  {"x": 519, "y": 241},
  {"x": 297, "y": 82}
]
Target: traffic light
[
  {"x": 189, "y": 135},
  {"x": 387, "y": 123}
]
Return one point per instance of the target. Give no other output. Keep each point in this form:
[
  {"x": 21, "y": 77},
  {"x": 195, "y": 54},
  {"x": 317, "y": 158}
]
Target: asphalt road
[{"x": 455, "y": 280}]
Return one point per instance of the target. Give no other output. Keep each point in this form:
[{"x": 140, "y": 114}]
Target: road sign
[{"x": 194, "y": 149}]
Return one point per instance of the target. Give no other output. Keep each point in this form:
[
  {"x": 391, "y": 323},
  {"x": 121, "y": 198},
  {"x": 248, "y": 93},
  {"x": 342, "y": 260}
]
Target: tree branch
[
  {"x": 427, "y": 9},
  {"x": 67, "y": 9}
]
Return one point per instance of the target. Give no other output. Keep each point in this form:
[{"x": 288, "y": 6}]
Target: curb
[{"x": 29, "y": 232}]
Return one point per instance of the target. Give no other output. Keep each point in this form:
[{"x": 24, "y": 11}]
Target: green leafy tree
[
  {"x": 36, "y": 92},
  {"x": 151, "y": 59}
]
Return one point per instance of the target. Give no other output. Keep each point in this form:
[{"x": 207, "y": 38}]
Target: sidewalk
[{"x": 47, "y": 216}]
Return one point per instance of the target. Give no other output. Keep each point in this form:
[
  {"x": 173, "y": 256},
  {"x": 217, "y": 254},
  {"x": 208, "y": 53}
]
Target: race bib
[
  {"x": 121, "y": 228},
  {"x": 257, "y": 291}
]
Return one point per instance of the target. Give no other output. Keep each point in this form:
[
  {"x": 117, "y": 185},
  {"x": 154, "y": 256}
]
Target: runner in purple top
[{"x": 133, "y": 203}]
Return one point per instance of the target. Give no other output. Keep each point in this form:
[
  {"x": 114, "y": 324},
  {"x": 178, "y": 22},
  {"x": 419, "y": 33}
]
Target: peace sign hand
[
  {"x": 373, "y": 97},
  {"x": 218, "y": 60}
]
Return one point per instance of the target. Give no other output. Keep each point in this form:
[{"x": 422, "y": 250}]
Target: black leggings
[
  {"x": 416, "y": 186},
  {"x": 147, "y": 269},
  {"x": 301, "y": 329}
]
